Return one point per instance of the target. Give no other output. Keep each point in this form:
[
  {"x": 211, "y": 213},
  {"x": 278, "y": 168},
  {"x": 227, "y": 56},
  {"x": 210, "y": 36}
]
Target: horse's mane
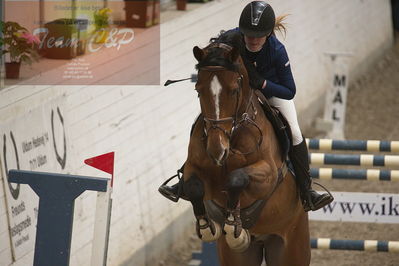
[{"x": 215, "y": 55}]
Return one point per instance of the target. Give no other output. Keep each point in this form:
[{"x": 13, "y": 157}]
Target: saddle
[{"x": 280, "y": 125}]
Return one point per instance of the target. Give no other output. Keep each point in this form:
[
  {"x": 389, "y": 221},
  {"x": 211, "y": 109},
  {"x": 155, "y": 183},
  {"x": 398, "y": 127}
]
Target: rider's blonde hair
[{"x": 280, "y": 25}]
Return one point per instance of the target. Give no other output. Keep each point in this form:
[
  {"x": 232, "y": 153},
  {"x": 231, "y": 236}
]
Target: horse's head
[{"x": 222, "y": 87}]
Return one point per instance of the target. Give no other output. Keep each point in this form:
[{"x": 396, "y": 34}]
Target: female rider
[{"x": 269, "y": 71}]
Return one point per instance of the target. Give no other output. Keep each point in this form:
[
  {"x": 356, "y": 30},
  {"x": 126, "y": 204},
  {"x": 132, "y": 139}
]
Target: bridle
[{"x": 238, "y": 120}]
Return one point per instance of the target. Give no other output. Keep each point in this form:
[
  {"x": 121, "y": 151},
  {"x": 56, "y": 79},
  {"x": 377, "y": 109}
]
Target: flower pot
[
  {"x": 139, "y": 13},
  {"x": 12, "y": 70},
  {"x": 63, "y": 30},
  {"x": 181, "y": 4}
]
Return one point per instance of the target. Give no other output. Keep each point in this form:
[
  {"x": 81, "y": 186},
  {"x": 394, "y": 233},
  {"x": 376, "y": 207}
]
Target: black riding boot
[
  {"x": 311, "y": 200},
  {"x": 175, "y": 191}
]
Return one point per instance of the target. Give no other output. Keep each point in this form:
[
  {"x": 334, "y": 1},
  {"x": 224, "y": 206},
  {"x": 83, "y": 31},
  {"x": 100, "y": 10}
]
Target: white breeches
[{"x": 287, "y": 108}]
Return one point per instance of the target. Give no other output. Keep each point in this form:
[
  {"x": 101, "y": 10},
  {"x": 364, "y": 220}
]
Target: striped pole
[
  {"x": 354, "y": 159},
  {"x": 208, "y": 254},
  {"x": 357, "y": 174},
  {"x": 361, "y": 245},
  {"x": 353, "y": 145}
]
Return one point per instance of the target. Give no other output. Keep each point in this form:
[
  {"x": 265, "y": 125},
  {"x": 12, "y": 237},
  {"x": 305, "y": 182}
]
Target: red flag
[{"x": 104, "y": 162}]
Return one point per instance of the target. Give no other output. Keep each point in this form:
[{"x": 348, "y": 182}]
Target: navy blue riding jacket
[{"x": 273, "y": 65}]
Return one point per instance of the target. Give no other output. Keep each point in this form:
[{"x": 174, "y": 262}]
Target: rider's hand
[{"x": 256, "y": 81}]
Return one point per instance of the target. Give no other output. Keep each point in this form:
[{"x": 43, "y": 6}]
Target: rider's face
[{"x": 254, "y": 44}]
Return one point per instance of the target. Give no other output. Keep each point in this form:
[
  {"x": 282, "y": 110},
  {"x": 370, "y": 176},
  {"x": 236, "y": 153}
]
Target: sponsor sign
[
  {"x": 36, "y": 141},
  {"x": 360, "y": 207}
]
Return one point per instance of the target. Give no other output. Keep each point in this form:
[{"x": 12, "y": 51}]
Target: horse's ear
[
  {"x": 198, "y": 53},
  {"x": 234, "y": 55}
]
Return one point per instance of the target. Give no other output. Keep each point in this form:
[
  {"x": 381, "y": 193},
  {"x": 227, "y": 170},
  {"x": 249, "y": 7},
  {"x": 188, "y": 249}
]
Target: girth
[{"x": 249, "y": 215}]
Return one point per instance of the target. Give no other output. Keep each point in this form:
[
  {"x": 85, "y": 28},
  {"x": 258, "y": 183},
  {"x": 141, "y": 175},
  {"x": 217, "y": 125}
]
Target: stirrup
[
  {"x": 168, "y": 195},
  {"x": 308, "y": 205}
]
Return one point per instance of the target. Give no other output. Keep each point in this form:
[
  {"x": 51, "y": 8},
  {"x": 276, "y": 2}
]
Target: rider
[{"x": 269, "y": 71}]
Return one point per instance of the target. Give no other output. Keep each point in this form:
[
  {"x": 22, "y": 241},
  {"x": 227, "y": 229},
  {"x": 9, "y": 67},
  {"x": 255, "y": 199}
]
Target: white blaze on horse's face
[
  {"x": 216, "y": 89},
  {"x": 217, "y": 141}
]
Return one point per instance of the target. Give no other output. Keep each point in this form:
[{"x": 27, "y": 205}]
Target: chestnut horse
[{"x": 242, "y": 195}]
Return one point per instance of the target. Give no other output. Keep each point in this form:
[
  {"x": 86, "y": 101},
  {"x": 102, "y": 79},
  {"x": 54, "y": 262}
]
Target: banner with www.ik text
[{"x": 360, "y": 207}]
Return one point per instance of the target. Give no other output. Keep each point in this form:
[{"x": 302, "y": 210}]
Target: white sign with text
[
  {"x": 35, "y": 141},
  {"x": 360, "y": 207},
  {"x": 335, "y": 108}
]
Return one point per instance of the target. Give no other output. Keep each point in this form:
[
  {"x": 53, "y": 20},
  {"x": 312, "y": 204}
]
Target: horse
[{"x": 235, "y": 176}]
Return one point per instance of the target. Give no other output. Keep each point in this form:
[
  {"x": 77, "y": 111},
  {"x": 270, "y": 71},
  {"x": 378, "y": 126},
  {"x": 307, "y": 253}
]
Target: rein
[{"x": 245, "y": 118}]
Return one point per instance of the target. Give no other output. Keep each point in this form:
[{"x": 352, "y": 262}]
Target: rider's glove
[{"x": 255, "y": 80}]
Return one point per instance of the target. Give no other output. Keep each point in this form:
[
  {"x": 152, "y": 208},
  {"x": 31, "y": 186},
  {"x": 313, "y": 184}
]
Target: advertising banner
[
  {"x": 83, "y": 42},
  {"x": 360, "y": 207},
  {"x": 36, "y": 141}
]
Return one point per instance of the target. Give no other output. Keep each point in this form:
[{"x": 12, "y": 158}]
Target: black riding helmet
[{"x": 257, "y": 19}]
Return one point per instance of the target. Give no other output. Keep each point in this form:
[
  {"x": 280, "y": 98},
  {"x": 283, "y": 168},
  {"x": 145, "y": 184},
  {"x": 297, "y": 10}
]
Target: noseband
[{"x": 237, "y": 120}]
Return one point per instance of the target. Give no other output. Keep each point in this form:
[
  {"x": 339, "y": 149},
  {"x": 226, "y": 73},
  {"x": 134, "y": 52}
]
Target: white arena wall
[{"x": 148, "y": 126}]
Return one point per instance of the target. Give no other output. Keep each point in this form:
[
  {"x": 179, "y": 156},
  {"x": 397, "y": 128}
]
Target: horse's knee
[
  {"x": 194, "y": 188},
  {"x": 238, "y": 180}
]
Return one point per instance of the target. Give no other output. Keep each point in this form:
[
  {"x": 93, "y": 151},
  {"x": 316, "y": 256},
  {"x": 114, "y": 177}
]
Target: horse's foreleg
[
  {"x": 236, "y": 238},
  {"x": 274, "y": 247},
  {"x": 237, "y": 182},
  {"x": 256, "y": 178},
  {"x": 207, "y": 230},
  {"x": 297, "y": 250}
]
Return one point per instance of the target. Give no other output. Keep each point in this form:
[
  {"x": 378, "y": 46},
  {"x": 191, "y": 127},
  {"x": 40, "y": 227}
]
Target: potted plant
[
  {"x": 101, "y": 23},
  {"x": 19, "y": 44}
]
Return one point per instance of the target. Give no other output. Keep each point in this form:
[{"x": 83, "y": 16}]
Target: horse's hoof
[
  {"x": 239, "y": 244},
  {"x": 209, "y": 231}
]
